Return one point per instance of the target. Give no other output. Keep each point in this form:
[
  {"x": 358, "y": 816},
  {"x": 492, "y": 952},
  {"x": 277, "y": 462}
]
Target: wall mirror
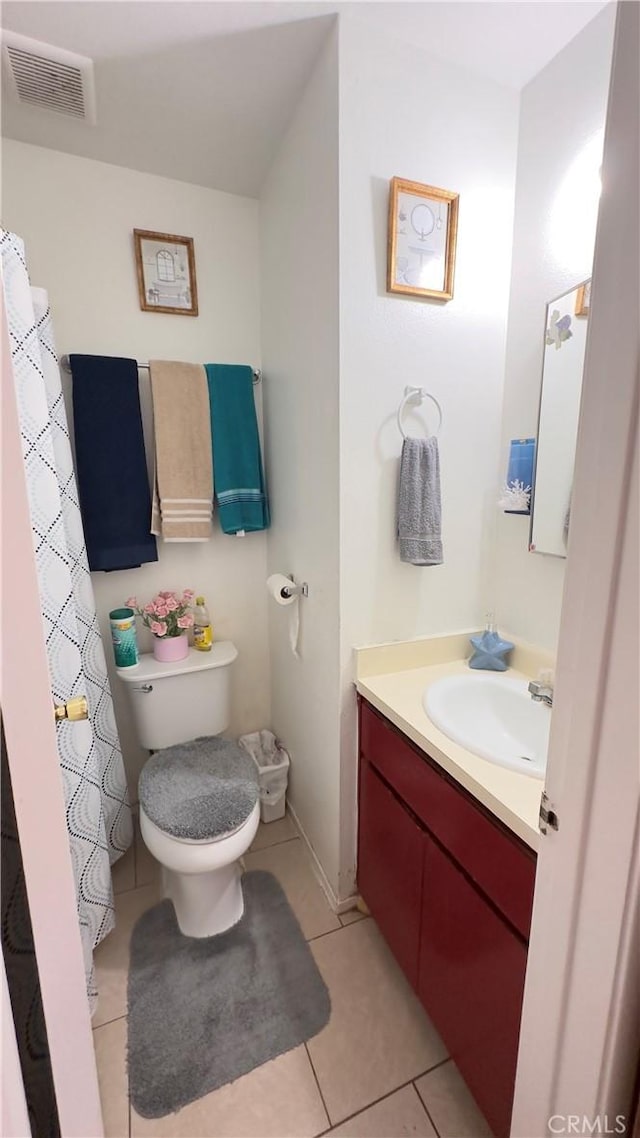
[{"x": 565, "y": 339}]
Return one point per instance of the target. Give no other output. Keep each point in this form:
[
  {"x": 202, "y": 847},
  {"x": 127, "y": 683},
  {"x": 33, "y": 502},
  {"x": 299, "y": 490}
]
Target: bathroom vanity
[{"x": 451, "y": 888}]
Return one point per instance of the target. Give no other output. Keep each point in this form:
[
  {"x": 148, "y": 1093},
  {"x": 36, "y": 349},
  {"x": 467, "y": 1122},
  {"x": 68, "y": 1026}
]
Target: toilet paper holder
[{"x": 294, "y": 590}]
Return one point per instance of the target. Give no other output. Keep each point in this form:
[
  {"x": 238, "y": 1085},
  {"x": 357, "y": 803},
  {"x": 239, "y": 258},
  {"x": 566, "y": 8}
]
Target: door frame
[
  {"x": 579, "y": 1031},
  {"x": 30, "y": 733}
]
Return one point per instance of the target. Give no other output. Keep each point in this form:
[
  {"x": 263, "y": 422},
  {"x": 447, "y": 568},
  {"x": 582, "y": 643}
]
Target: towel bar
[
  {"x": 64, "y": 363},
  {"x": 416, "y": 395}
]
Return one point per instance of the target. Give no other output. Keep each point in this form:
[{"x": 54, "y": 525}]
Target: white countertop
[{"x": 512, "y": 797}]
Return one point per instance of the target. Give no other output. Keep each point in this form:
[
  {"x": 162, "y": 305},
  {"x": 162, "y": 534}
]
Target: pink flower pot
[{"x": 171, "y": 648}]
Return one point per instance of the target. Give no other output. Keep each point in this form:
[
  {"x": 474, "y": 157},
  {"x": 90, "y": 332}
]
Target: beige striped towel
[{"x": 183, "y": 484}]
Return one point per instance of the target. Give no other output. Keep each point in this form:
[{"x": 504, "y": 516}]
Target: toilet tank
[{"x": 174, "y": 702}]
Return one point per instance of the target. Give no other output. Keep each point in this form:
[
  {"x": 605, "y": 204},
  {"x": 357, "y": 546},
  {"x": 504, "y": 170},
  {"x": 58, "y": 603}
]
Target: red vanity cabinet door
[
  {"x": 471, "y": 982},
  {"x": 390, "y": 854},
  {"x": 496, "y": 860}
]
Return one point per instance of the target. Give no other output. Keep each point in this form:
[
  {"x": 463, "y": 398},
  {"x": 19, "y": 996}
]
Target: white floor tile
[
  {"x": 110, "y": 1044},
  {"x": 351, "y": 916},
  {"x": 451, "y": 1104},
  {"x": 271, "y": 833},
  {"x": 290, "y": 864},
  {"x": 400, "y": 1115},
  {"x": 148, "y": 870},
  {"x": 123, "y": 871},
  {"x": 378, "y": 1037},
  {"x": 111, "y": 957}
]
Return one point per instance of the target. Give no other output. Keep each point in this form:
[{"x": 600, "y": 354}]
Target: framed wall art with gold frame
[
  {"x": 421, "y": 250},
  {"x": 166, "y": 268},
  {"x": 583, "y": 299}
]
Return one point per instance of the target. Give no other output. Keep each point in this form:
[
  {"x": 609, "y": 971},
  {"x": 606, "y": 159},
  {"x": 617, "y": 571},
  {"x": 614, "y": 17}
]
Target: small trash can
[{"x": 272, "y": 762}]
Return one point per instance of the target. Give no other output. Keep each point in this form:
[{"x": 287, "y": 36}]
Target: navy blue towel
[{"x": 113, "y": 485}]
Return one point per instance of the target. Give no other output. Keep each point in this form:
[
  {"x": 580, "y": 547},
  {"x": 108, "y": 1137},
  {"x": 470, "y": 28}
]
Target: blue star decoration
[{"x": 489, "y": 652}]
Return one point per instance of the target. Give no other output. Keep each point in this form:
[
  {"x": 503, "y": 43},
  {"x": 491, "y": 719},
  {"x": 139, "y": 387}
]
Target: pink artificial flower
[
  {"x": 160, "y": 608},
  {"x": 158, "y": 627},
  {"x": 165, "y": 596},
  {"x": 185, "y": 621},
  {"x": 188, "y": 596},
  {"x": 132, "y": 603},
  {"x": 149, "y": 608},
  {"x": 171, "y": 603}
]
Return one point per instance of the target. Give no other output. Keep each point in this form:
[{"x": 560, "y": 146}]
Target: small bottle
[{"x": 202, "y": 630}]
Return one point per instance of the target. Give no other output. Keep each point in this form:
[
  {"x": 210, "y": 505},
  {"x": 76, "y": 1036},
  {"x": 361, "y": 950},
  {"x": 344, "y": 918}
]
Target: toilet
[{"x": 198, "y": 792}]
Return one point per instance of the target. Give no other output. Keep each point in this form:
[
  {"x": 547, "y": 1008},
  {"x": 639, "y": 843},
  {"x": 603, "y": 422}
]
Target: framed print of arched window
[{"x": 166, "y": 268}]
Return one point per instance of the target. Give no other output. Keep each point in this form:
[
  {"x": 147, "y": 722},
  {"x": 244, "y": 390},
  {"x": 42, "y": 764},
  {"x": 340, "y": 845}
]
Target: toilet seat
[
  {"x": 198, "y": 857},
  {"x": 199, "y": 792},
  {"x": 202, "y": 841}
]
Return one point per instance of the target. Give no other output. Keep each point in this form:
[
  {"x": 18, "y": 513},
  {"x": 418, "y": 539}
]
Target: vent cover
[{"x": 49, "y": 77}]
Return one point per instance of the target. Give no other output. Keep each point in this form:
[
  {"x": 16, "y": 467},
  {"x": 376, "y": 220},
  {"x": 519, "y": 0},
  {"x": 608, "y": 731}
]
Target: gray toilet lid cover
[{"x": 199, "y": 790}]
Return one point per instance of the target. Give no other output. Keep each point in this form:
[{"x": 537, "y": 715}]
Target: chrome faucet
[{"x": 541, "y": 692}]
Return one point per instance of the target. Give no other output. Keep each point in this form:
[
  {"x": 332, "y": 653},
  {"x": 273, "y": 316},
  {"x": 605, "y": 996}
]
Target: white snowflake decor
[{"x": 515, "y": 496}]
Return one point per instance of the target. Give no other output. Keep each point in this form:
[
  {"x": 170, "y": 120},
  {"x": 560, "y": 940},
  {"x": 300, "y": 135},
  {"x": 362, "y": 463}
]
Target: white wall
[
  {"x": 403, "y": 112},
  {"x": 406, "y": 113},
  {"x": 561, "y": 123},
  {"x": 76, "y": 217},
  {"x": 299, "y": 236}
]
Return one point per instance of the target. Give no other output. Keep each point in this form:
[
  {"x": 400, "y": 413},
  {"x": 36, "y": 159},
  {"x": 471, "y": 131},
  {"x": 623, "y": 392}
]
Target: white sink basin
[{"x": 494, "y": 717}]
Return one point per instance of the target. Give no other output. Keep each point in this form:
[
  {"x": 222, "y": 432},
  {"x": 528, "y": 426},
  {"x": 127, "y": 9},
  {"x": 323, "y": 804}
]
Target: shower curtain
[{"x": 98, "y": 811}]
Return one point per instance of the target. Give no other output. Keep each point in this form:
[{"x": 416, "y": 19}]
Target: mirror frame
[{"x": 532, "y": 503}]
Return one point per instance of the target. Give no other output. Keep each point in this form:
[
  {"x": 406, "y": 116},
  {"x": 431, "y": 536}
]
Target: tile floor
[{"x": 378, "y": 1070}]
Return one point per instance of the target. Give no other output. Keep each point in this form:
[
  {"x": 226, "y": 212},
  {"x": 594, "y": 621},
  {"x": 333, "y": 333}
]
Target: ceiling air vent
[{"x": 49, "y": 77}]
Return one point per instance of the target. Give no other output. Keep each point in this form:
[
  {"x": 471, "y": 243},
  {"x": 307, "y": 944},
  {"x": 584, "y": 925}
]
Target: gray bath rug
[{"x": 202, "y": 1012}]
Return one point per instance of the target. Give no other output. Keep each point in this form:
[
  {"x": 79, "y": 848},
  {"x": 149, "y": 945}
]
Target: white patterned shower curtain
[{"x": 98, "y": 811}]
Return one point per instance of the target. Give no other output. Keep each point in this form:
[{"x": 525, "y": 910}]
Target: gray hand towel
[{"x": 419, "y": 506}]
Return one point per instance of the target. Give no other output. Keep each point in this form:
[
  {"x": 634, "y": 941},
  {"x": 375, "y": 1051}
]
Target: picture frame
[
  {"x": 166, "y": 270},
  {"x": 421, "y": 246},
  {"x": 583, "y": 299}
]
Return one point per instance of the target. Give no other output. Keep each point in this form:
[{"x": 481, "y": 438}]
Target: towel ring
[{"x": 416, "y": 395}]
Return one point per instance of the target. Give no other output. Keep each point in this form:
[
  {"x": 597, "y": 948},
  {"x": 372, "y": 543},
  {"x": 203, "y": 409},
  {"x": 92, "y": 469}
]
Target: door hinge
[{"x": 547, "y": 817}]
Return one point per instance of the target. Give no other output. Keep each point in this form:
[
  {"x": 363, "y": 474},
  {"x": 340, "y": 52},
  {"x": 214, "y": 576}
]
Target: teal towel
[{"x": 237, "y": 463}]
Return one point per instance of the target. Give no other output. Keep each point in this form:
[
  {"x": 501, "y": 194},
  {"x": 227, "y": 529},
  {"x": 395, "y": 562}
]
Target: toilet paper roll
[{"x": 275, "y": 585}]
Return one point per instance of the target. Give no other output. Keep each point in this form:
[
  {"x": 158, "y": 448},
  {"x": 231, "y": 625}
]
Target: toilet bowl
[
  {"x": 199, "y": 807},
  {"x": 202, "y": 878}
]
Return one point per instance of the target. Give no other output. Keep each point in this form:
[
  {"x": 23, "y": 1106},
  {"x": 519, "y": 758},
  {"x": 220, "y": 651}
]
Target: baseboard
[{"x": 337, "y": 906}]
